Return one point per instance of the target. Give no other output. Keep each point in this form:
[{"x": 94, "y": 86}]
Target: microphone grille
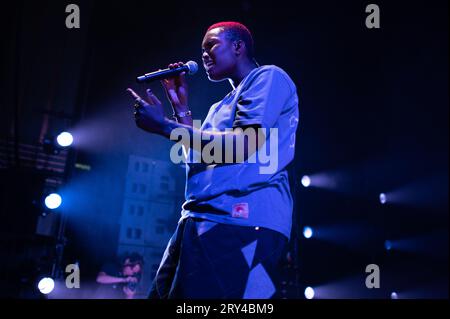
[{"x": 192, "y": 66}]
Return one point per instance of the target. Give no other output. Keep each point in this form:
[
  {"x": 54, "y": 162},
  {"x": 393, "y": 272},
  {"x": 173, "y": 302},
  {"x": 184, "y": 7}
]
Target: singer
[{"x": 236, "y": 221}]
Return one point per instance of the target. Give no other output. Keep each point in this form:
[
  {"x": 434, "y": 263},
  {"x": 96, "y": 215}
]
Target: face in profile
[{"x": 218, "y": 55}]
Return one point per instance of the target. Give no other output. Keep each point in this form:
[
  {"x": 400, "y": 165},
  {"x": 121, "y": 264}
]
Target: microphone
[{"x": 190, "y": 68}]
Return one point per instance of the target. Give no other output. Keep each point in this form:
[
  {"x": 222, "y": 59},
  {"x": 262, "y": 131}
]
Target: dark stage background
[{"x": 373, "y": 119}]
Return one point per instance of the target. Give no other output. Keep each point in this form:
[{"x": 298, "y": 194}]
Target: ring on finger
[
  {"x": 138, "y": 102},
  {"x": 137, "y": 106}
]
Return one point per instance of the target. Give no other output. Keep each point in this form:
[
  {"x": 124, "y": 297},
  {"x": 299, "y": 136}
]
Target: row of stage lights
[
  {"x": 309, "y": 293},
  {"x": 54, "y": 146},
  {"x": 306, "y": 182},
  {"x": 54, "y": 200},
  {"x": 308, "y": 233}
]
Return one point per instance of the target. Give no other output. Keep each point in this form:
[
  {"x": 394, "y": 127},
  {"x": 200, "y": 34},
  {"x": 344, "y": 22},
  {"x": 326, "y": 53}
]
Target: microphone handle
[{"x": 161, "y": 74}]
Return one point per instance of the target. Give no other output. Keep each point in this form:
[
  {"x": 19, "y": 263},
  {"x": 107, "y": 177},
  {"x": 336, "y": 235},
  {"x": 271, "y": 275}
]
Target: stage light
[
  {"x": 394, "y": 295},
  {"x": 309, "y": 293},
  {"x": 388, "y": 245},
  {"x": 65, "y": 139},
  {"x": 53, "y": 201},
  {"x": 306, "y": 181},
  {"x": 46, "y": 285},
  {"x": 307, "y": 232},
  {"x": 53, "y": 145},
  {"x": 383, "y": 198}
]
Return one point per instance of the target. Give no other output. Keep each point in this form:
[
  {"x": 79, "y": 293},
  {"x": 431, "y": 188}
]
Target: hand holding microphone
[
  {"x": 149, "y": 114},
  {"x": 174, "y": 82},
  {"x": 175, "y": 69}
]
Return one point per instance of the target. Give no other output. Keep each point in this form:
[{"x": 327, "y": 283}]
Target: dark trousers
[{"x": 212, "y": 260}]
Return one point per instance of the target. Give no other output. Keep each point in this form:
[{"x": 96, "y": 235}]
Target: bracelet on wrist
[{"x": 182, "y": 114}]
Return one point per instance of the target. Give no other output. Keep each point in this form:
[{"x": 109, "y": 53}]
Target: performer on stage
[{"x": 237, "y": 217}]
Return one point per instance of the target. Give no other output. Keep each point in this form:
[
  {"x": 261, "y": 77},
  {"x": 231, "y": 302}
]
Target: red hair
[{"x": 235, "y": 31}]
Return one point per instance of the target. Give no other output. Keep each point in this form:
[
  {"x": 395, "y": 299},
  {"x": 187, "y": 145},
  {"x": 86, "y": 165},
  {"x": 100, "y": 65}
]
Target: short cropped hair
[{"x": 235, "y": 31}]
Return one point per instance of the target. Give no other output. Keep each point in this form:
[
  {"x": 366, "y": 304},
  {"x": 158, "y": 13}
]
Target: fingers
[
  {"x": 165, "y": 83},
  {"x": 175, "y": 65},
  {"x": 137, "y": 105},
  {"x": 134, "y": 94},
  {"x": 152, "y": 97},
  {"x": 178, "y": 80},
  {"x": 138, "y": 101},
  {"x": 182, "y": 78}
]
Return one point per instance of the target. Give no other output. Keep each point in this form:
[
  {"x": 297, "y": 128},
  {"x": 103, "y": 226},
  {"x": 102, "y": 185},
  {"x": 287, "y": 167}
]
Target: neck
[{"x": 243, "y": 69}]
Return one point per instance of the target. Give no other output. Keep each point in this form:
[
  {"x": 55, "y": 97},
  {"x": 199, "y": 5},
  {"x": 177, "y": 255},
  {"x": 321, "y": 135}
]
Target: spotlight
[
  {"x": 307, "y": 232},
  {"x": 388, "y": 245},
  {"x": 383, "y": 198},
  {"x": 46, "y": 285},
  {"x": 309, "y": 293},
  {"x": 54, "y": 145},
  {"x": 306, "y": 181},
  {"x": 64, "y": 139},
  {"x": 394, "y": 295},
  {"x": 53, "y": 201}
]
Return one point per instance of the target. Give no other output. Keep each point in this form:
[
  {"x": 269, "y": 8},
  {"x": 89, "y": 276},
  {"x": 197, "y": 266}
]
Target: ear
[{"x": 239, "y": 45}]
